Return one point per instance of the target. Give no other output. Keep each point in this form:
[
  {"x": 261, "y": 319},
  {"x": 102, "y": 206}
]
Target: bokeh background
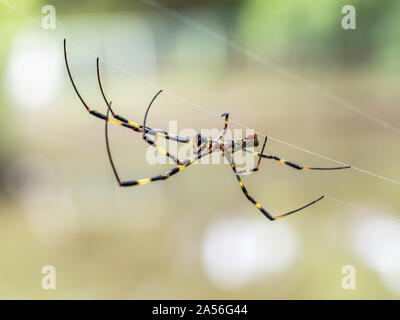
[{"x": 289, "y": 70}]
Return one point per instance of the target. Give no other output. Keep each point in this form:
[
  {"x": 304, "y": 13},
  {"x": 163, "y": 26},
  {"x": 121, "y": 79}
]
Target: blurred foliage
[
  {"x": 135, "y": 5},
  {"x": 279, "y": 27},
  {"x": 387, "y": 36}
]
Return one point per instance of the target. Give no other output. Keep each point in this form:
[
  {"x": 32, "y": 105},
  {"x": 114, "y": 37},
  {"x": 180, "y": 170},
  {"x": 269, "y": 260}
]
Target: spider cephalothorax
[{"x": 201, "y": 147}]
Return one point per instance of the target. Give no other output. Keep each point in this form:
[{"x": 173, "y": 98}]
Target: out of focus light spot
[
  {"x": 377, "y": 243},
  {"x": 34, "y": 70},
  {"x": 237, "y": 252}
]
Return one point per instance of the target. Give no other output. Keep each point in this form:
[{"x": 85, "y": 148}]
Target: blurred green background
[{"x": 196, "y": 236}]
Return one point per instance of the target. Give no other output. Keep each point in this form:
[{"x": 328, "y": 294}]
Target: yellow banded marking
[
  {"x": 241, "y": 184},
  {"x": 143, "y": 181},
  {"x": 161, "y": 150},
  {"x": 305, "y": 168},
  {"x": 258, "y": 206},
  {"x": 282, "y": 161},
  {"x": 114, "y": 121}
]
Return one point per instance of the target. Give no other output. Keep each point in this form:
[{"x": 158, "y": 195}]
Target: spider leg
[
  {"x": 291, "y": 164},
  {"x": 129, "y": 183},
  {"x": 253, "y": 201},
  {"x": 118, "y": 120},
  {"x": 91, "y": 111},
  {"x": 226, "y": 115},
  {"x": 152, "y": 142},
  {"x": 258, "y": 163},
  {"x": 137, "y": 127}
]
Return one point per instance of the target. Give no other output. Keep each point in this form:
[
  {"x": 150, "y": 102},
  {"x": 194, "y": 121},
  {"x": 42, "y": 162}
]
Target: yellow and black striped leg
[
  {"x": 152, "y": 142},
  {"x": 166, "y": 135},
  {"x": 95, "y": 113},
  {"x": 119, "y": 120},
  {"x": 291, "y": 164},
  {"x": 165, "y": 176},
  {"x": 135, "y": 126},
  {"x": 258, "y": 163},
  {"x": 162, "y": 150},
  {"x": 147, "y": 139},
  {"x": 226, "y": 116},
  {"x": 251, "y": 199}
]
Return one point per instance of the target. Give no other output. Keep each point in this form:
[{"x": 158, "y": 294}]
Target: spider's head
[
  {"x": 251, "y": 141},
  {"x": 199, "y": 143}
]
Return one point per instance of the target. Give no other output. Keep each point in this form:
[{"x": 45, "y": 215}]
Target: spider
[{"x": 201, "y": 147}]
